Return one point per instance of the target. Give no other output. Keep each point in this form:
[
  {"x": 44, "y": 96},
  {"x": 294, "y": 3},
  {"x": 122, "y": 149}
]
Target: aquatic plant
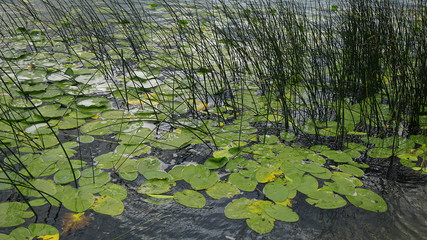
[{"x": 262, "y": 84}]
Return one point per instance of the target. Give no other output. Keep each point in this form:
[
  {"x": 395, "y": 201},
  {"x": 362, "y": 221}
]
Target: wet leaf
[
  {"x": 276, "y": 192},
  {"x": 222, "y": 190},
  {"x": 238, "y": 208},
  {"x": 190, "y": 198},
  {"x": 108, "y": 205},
  {"x": 368, "y": 200},
  {"x": 13, "y": 213},
  {"x": 215, "y": 163},
  {"x": 156, "y": 186},
  {"x": 243, "y": 183},
  {"x": 77, "y": 200},
  {"x": 380, "y": 152},
  {"x": 282, "y": 213},
  {"x": 261, "y": 223}
]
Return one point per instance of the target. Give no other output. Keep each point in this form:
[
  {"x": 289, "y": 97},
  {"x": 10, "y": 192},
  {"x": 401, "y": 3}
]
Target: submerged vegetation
[{"x": 290, "y": 100}]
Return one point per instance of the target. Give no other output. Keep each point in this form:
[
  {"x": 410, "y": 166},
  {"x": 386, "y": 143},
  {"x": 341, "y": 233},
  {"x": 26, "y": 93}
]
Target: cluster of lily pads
[{"x": 58, "y": 98}]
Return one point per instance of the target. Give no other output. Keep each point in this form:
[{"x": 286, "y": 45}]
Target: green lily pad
[
  {"x": 85, "y": 139},
  {"x": 267, "y": 174},
  {"x": 307, "y": 184},
  {"x": 173, "y": 140},
  {"x": 190, "y": 198},
  {"x": 23, "y": 103},
  {"x": 337, "y": 156},
  {"x": 222, "y": 190},
  {"x": 92, "y": 102},
  {"x": 13, "y": 213},
  {"x": 268, "y": 139},
  {"x": 38, "y": 187},
  {"x": 287, "y": 136},
  {"x": 77, "y": 200},
  {"x": 99, "y": 179},
  {"x": 157, "y": 175},
  {"x": 368, "y": 200},
  {"x": 243, "y": 183},
  {"x": 261, "y": 223},
  {"x": 355, "y": 171},
  {"x": 114, "y": 191},
  {"x": 176, "y": 172},
  {"x": 276, "y": 192},
  {"x": 282, "y": 213},
  {"x": 238, "y": 208},
  {"x": 215, "y": 163},
  {"x": 319, "y": 148},
  {"x": 148, "y": 164},
  {"x": 65, "y": 176},
  {"x": 108, "y": 205},
  {"x": 97, "y": 127},
  {"x": 324, "y": 198},
  {"x": 380, "y": 152},
  {"x": 156, "y": 186}
]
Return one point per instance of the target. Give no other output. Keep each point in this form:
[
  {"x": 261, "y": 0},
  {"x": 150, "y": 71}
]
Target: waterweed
[{"x": 270, "y": 72}]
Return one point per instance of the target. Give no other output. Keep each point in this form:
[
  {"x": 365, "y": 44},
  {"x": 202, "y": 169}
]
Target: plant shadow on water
[{"x": 213, "y": 119}]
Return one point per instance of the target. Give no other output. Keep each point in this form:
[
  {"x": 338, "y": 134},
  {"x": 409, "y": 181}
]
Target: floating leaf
[
  {"x": 176, "y": 172},
  {"x": 355, "y": 171},
  {"x": 114, "y": 190},
  {"x": 238, "y": 208},
  {"x": 43, "y": 231},
  {"x": 261, "y": 223},
  {"x": 264, "y": 174},
  {"x": 108, "y": 205},
  {"x": 65, "y": 176},
  {"x": 92, "y": 102},
  {"x": 337, "y": 156},
  {"x": 13, "y": 213},
  {"x": 282, "y": 213},
  {"x": 38, "y": 187},
  {"x": 368, "y": 200},
  {"x": 380, "y": 152},
  {"x": 243, "y": 183},
  {"x": 324, "y": 198},
  {"x": 190, "y": 198},
  {"x": 173, "y": 140},
  {"x": 287, "y": 136},
  {"x": 85, "y": 139},
  {"x": 77, "y": 200},
  {"x": 276, "y": 192},
  {"x": 222, "y": 190},
  {"x": 156, "y": 186},
  {"x": 215, "y": 163},
  {"x": 307, "y": 184}
]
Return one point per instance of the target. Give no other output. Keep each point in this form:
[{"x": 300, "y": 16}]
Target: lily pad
[
  {"x": 13, "y": 213},
  {"x": 77, "y": 200},
  {"x": 243, "y": 183},
  {"x": 156, "y": 186},
  {"x": 355, "y": 171},
  {"x": 337, "y": 156},
  {"x": 108, "y": 205},
  {"x": 222, "y": 190},
  {"x": 368, "y": 200},
  {"x": 65, "y": 176},
  {"x": 380, "y": 152},
  {"x": 92, "y": 102},
  {"x": 276, "y": 192},
  {"x": 190, "y": 198},
  {"x": 238, "y": 208},
  {"x": 261, "y": 223},
  {"x": 215, "y": 163},
  {"x": 282, "y": 213}
]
